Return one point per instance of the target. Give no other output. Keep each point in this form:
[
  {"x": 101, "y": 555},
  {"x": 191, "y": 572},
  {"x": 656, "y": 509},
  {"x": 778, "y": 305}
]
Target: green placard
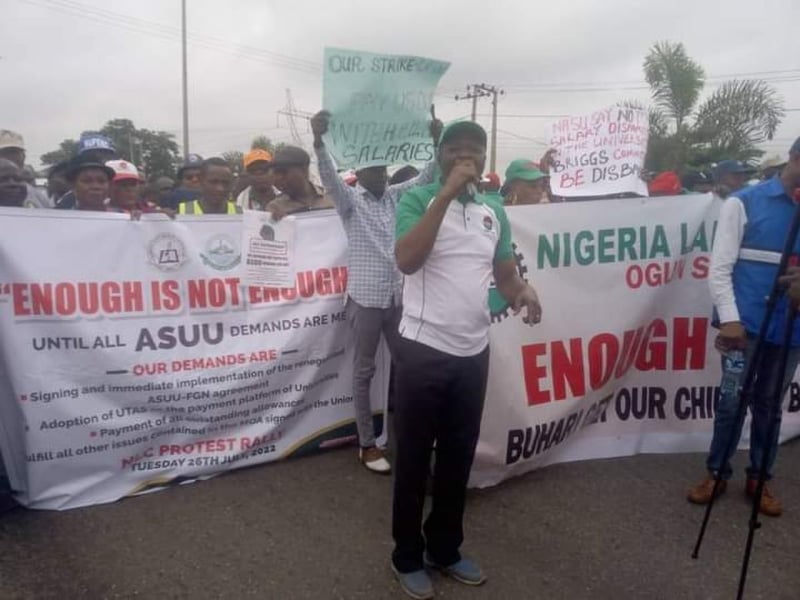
[{"x": 380, "y": 107}]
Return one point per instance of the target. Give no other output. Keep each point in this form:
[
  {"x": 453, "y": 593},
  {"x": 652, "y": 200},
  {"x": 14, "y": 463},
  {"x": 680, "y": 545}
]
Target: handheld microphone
[{"x": 472, "y": 190}]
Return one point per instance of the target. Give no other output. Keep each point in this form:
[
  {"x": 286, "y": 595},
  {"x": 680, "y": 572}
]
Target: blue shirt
[{"x": 753, "y": 226}]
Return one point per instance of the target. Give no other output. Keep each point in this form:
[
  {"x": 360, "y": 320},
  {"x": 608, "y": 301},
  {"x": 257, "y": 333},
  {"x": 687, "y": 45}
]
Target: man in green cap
[
  {"x": 525, "y": 183},
  {"x": 452, "y": 241}
]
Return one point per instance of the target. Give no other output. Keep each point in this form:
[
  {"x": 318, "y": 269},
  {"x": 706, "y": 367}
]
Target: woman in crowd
[
  {"x": 525, "y": 183},
  {"x": 90, "y": 180}
]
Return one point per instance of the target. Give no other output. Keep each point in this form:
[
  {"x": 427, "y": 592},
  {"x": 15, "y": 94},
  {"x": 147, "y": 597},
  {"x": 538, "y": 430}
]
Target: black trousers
[{"x": 439, "y": 397}]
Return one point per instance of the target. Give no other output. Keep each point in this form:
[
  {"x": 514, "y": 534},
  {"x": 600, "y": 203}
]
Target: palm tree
[
  {"x": 675, "y": 79},
  {"x": 739, "y": 115},
  {"x": 728, "y": 124}
]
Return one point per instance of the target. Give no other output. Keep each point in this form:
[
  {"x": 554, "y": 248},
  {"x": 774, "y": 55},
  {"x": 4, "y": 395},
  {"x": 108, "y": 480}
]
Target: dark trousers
[
  {"x": 366, "y": 327},
  {"x": 728, "y": 429},
  {"x": 439, "y": 398}
]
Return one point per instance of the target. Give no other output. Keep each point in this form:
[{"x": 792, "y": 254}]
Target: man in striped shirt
[{"x": 374, "y": 285}]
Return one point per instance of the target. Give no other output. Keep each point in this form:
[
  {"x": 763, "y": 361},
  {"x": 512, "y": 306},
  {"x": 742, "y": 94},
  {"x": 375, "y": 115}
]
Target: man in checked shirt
[{"x": 374, "y": 284}]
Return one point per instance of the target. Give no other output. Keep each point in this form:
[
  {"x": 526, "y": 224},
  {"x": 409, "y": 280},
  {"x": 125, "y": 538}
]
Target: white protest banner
[
  {"x": 380, "y": 107},
  {"x": 599, "y": 153},
  {"x": 268, "y": 249},
  {"x": 149, "y": 362},
  {"x": 623, "y": 361},
  {"x": 131, "y": 355}
]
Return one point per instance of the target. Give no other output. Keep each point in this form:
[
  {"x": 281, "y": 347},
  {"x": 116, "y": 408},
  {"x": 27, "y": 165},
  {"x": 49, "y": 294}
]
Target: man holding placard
[
  {"x": 452, "y": 241},
  {"x": 374, "y": 285}
]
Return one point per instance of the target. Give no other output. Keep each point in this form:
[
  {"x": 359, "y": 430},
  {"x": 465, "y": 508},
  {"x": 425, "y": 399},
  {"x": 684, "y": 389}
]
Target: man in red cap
[
  {"x": 124, "y": 193},
  {"x": 490, "y": 183},
  {"x": 260, "y": 192},
  {"x": 665, "y": 184}
]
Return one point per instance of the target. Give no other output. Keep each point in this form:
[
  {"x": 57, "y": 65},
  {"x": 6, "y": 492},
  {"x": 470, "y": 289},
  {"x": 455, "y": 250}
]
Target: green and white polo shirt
[{"x": 446, "y": 302}]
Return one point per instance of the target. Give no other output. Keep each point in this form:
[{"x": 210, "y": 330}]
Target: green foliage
[
  {"x": 264, "y": 143},
  {"x": 736, "y": 117},
  {"x": 156, "y": 152},
  {"x": 729, "y": 124},
  {"x": 235, "y": 160},
  {"x": 675, "y": 80},
  {"x": 66, "y": 150}
]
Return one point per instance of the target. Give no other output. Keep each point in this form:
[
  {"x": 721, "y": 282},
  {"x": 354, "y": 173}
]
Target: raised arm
[{"x": 343, "y": 195}]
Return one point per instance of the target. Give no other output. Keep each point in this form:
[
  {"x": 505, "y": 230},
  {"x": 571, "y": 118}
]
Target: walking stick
[{"x": 772, "y": 418}]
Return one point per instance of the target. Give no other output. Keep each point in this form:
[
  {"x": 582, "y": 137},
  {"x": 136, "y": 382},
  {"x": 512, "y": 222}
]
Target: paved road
[{"x": 318, "y": 527}]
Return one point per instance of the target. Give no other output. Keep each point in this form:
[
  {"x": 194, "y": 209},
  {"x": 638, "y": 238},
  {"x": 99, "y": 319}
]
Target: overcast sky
[{"x": 71, "y": 65}]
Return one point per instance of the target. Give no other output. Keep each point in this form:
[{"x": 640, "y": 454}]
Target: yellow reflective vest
[{"x": 194, "y": 208}]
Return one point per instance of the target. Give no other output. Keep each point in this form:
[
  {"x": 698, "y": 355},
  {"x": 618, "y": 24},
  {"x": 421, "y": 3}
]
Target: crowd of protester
[
  {"x": 410, "y": 254},
  {"x": 279, "y": 181}
]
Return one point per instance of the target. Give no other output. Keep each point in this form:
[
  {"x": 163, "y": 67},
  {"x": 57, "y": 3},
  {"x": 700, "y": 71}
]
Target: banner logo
[
  {"x": 166, "y": 252},
  {"x": 498, "y": 307},
  {"x": 221, "y": 253}
]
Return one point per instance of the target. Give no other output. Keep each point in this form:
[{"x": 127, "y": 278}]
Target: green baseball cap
[
  {"x": 468, "y": 128},
  {"x": 525, "y": 169}
]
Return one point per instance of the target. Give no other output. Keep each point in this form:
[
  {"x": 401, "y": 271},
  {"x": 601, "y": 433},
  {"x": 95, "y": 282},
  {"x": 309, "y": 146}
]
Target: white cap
[
  {"x": 11, "y": 139},
  {"x": 774, "y": 162},
  {"x": 123, "y": 170}
]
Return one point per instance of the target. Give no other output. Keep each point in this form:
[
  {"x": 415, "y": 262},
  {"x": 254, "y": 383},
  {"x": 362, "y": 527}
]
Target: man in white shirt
[
  {"x": 751, "y": 233},
  {"x": 260, "y": 192},
  {"x": 452, "y": 241}
]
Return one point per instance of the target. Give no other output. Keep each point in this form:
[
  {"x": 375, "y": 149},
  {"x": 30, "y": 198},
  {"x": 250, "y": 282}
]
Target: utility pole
[
  {"x": 185, "y": 83},
  {"x": 481, "y": 90},
  {"x": 291, "y": 112},
  {"x": 473, "y": 93}
]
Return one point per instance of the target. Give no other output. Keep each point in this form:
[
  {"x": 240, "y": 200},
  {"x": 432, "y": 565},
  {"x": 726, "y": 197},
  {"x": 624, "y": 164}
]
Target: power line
[
  {"x": 516, "y": 89},
  {"x": 525, "y": 116},
  {"x": 71, "y": 5},
  {"x": 556, "y": 116},
  {"x": 158, "y": 30},
  {"x": 522, "y": 137},
  {"x": 639, "y": 83},
  {"x": 481, "y": 90},
  {"x": 474, "y": 92}
]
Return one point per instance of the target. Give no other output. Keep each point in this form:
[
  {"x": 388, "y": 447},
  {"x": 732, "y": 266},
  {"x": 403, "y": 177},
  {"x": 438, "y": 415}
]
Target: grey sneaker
[
  {"x": 465, "y": 570},
  {"x": 416, "y": 584}
]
